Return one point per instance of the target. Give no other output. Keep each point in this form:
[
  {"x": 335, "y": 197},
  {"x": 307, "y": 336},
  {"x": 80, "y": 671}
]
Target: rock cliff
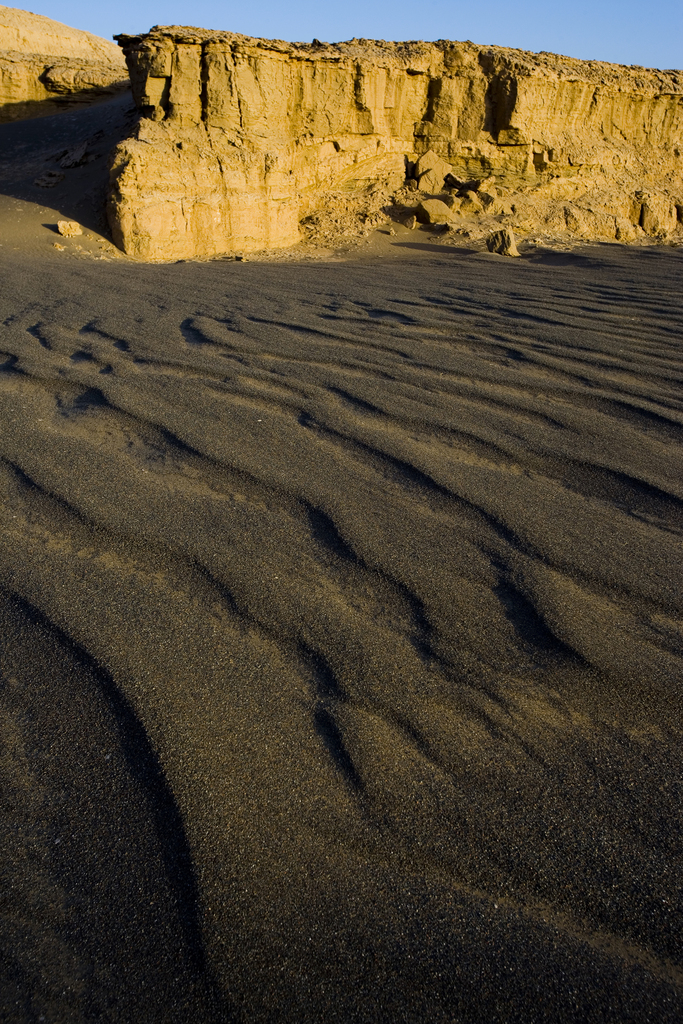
[
  {"x": 45, "y": 65},
  {"x": 242, "y": 141}
]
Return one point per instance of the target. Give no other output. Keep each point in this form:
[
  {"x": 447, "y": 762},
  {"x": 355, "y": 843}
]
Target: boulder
[
  {"x": 451, "y": 181},
  {"x": 577, "y": 221},
  {"x": 502, "y": 242},
  {"x": 590, "y": 220},
  {"x": 433, "y": 211},
  {"x": 471, "y": 204},
  {"x": 658, "y": 216},
  {"x": 473, "y": 185},
  {"x": 625, "y": 230},
  {"x": 482, "y": 184},
  {"x": 431, "y": 171},
  {"x": 427, "y": 162},
  {"x": 487, "y": 199}
]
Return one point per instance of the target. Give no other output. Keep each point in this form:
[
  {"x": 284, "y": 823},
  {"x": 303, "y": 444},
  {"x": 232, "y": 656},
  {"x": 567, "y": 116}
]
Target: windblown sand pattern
[{"x": 342, "y": 650}]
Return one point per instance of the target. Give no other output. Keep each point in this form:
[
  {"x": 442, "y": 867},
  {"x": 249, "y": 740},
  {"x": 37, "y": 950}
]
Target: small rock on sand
[
  {"x": 49, "y": 179},
  {"x": 69, "y": 228},
  {"x": 75, "y": 156}
]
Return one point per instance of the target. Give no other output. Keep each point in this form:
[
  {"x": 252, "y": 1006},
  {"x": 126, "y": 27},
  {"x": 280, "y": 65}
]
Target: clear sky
[{"x": 623, "y": 31}]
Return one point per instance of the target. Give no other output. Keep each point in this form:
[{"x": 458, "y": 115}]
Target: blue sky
[{"x": 625, "y": 32}]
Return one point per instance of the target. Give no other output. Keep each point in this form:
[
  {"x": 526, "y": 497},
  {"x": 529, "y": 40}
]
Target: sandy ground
[{"x": 340, "y": 616}]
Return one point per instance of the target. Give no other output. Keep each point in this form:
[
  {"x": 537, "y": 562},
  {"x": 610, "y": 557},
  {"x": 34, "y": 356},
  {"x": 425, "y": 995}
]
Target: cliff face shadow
[
  {"x": 48, "y": 150},
  {"x": 435, "y": 247},
  {"x": 561, "y": 258},
  {"x": 103, "y": 883}
]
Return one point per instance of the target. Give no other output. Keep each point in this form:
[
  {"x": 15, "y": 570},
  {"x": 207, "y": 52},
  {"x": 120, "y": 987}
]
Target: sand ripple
[{"x": 368, "y": 578}]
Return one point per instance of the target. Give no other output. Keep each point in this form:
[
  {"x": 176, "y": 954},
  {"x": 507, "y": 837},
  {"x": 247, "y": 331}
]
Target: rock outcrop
[
  {"x": 45, "y": 66},
  {"x": 242, "y": 141}
]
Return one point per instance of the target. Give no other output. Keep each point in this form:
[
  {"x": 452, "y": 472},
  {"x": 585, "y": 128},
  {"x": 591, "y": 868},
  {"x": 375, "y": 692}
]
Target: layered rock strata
[
  {"x": 242, "y": 140},
  {"x": 45, "y": 66}
]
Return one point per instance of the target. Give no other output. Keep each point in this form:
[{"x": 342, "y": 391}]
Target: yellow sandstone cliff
[
  {"x": 242, "y": 140},
  {"x": 45, "y": 65}
]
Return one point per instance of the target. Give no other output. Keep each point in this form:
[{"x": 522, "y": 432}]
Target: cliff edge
[
  {"x": 45, "y": 65},
  {"x": 244, "y": 144}
]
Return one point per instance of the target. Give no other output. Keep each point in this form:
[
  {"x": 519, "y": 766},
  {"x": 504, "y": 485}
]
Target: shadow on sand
[{"x": 30, "y": 148}]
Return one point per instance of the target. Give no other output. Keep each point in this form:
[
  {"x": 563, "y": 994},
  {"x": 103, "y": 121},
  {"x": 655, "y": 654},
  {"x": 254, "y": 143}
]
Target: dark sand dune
[
  {"x": 96, "y": 868},
  {"x": 342, "y": 644}
]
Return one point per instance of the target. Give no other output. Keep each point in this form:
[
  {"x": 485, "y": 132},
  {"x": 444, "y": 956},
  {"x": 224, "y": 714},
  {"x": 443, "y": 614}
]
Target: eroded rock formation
[
  {"x": 242, "y": 140},
  {"x": 45, "y": 65}
]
